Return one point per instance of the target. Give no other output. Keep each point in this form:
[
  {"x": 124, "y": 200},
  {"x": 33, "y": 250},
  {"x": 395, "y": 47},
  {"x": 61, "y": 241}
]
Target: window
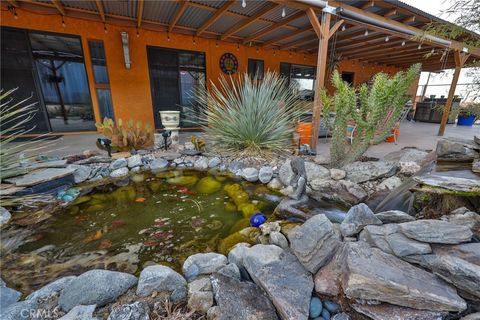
[
  {"x": 301, "y": 77},
  {"x": 255, "y": 69},
  {"x": 63, "y": 81},
  {"x": 100, "y": 75},
  {"x": 348, "y": 77}
]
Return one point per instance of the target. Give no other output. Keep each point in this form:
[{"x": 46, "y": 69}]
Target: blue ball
[
  {"x": 60, "y": 194},
  {"x": 325, "y": 314},
  {"x": 257, "y": 219},
  {"x": 315, "y": 307},
  {"x": 67, "y": 198}
]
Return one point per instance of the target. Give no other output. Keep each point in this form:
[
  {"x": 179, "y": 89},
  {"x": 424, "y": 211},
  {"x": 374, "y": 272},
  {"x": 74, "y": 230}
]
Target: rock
[
  {"x": 278, "y": 239},
  {"x": 269, "y": 227},
  {"x": 390, "y": 184},
  {"x": 371, "y": 274},
  {"x": 268, "y": 265},
  {"x": 214, "y": 162},
  {"x": 285, "y": 173},
  {"x": 136, "y": 311},
  {"x": 19, "y": 310},
  {"x": 80, "y": 313},
  {"x": 214, "y": 313},
  {"x": 203, "y": 263},
  {"x": 386, "y": 311},
  {"x": 403, "y": 246},
  {"x": 250, "y": 174},
  {"x": 359, "y": 172},
  {"x": 95, "y": 287},
  {"x": 51, "y": 288},
  {"x": 343, "y": 191},
  {"x": 237, "y": 254},
  {"x": 375, "y": 236},
  {"x": 315, "y": 171},
  {"x": 122, "y": 172},
  {"x": 325, "y": 314},
  {"x": 160, "y": 279},
  {"x": 158, "y": 164},
  {"x": 331, "y": 306},
  {"x": 394, "y": 216},
  {"x": 235, "y": 167},
  {"x": 358, "y": 217},
  {"x": 409, "y": 168},
  {"x": 476, "y": 139},
  {"x": 5, "y": 216},
  {"x": 455, "y": 149},
  {"x": 450, "y": 183},
  {"x": 337, "y": 174},
  {"x": 315, "y": 307},
  {"x": 476, "y": 166},
  {"x": 241, "y": 300},
  {"x": 81, "y": 172},
  {"x": 472, "y": 316},
  {"x": 230, "y": 270},
  {"x": 265, "y": 174},
  {"x": 467, "y": 218},
  {"x": 200, "y": 296},
  {"x": 275, "y": 184},
  {"x": 458, "y": 265},
  {"x": 327, "y": 279},
  {"x": 8, "y": 296},
  {"x": 118, "y": 163},
  {"x": 134, "y": 161},
  {"x": 341, "y": 316},
  {"x": 314, "y": 242},
  {"x": 414, "y": 155},
  {"x": 321, "y": 159},
  {"x": 201, "y": 163},
  {"x": 436, "y": 231},
  {"x": 40, "y": 176}
]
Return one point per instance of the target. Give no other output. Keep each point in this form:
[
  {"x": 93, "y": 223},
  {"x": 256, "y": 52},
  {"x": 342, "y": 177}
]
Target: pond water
[{"x": 160, "y": 218}]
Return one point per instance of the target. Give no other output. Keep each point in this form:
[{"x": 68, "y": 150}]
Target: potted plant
[
  {"x": 468, "y": 113},
  {"x": 171, "y": 122}
]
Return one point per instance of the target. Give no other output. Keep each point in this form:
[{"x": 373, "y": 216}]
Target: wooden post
[
  {"x": 460, "y": 59},
  {"x": 323, "y": 32}
]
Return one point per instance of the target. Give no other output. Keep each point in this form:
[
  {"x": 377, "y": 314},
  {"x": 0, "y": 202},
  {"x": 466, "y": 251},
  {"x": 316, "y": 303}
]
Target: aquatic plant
[
  {"x": 249, "y": 117},
  {"x": 127, "y": 136},
  {"x": 373, "y": 109}
]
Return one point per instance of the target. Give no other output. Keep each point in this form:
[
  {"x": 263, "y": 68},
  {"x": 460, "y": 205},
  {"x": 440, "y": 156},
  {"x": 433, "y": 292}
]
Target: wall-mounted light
[
  {"x": 283, "y": 12},
  {"x": 138, "y": 33},
  {"x": 257, "y": 50},
  {"x": 366, "y": 33},
  {"x": 168, "y": 38},
  {"x": 216, "y": 44},
  {"x": 194, "y": 41},
  {"x": 126, "y": 50},
  {"x": 105, "y": 28},
  {"x": 238, "y": 47},
  {"x": 419, "y": 46},
  {"x": 387, "y": 38},
  {"x": 63, "y": 23}
]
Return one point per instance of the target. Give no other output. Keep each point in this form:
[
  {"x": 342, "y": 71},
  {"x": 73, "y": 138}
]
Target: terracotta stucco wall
[{"x": 130, "y": 88}]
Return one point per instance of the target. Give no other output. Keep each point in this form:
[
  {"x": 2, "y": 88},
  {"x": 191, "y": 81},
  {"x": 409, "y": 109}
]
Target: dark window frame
[
  {"x": 349, "y": 73},
  {"x": 254, "y": 64}
]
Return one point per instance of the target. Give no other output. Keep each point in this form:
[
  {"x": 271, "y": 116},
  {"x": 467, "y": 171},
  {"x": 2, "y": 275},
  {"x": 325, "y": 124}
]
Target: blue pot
[{"x": 466, "y": 121}]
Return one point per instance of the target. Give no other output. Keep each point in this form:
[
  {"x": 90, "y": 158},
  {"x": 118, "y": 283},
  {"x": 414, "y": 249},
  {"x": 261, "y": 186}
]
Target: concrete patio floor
[{"x": 412, "y": 134}]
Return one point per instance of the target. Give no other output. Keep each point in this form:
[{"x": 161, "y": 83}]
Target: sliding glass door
[{"x": 175, "y": 77}]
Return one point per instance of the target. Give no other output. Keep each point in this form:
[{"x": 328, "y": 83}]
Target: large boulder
[
  {"x": 314, "y": 242},
  {"x": 371, "y": 274},
  {"x": 359, "y": 171},
  {"x": 19, "y": 310},
  {"x": 51, "y": 288},
  {"x": 80, "y": 313},
  {"x": 160, "y": 279},
  {"x": 8, "y": 296},
  {"x": 314, "y": 172},
  {"x": 456, "y": 149},
  {"x": 465, "y": 217},
  {"x": 328, "y": 278},
  {"x": 459, "y": 265},
  {"x": 386, "y": 311},
  {"x": 394, "y": 216},
  {"x": 200, "y": 295},
  {"x": 241, "y": 300},
  {"x": 278, "y": 272},
  {"x": 436, "y": 231},
  {"x": 203, "y": 263},
  {"x": 358, "y": 217},
  {"x": 456, "y": 184},
  {"x": 95, "y": 287}
]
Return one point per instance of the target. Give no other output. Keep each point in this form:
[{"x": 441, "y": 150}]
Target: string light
[
  {"x": 403, "y": 43},
  {"x": 168, "y": 38},
  {"x": 105, "y": 28},
  {"x": 244, "y": 3},
  {"x": 238, "y": 47},
  {"x": 138, "y": 33},
  {"x": 387, "y": 39},
  {"x": 344, "y": 28},
  {"x": 283, "y": 12},
  {"x": 419, "y": 46},
  {"x": 366, "y": 33},
  {"x": 63, "y": 23},
  {"x": 433, "y": 51}
]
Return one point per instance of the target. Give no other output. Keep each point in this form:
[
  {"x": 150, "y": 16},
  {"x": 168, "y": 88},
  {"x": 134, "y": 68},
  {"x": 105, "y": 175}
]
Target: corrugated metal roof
[
  {"x": 252, "y": 7},
  {"x": 80, "y": 4},
  {"x": 294, "y": 39},
  {"x": 159, "y": 11},
  {"x": 276, "y": 14},
  {"x": 274, "y": 34},
  {"x": 128, "y": 8},
  {"x": 211, "y": 3},
  {"x": 194, "y": 17},
  {"x": 253, "y": 28},
  {"x": 225, "y": 23},
  {"x": 300, "y": 22}
]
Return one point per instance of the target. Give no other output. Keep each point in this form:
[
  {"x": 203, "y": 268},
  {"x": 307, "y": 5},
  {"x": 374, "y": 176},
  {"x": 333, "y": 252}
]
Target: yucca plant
[
  {"x": 249, "y": 117},
  {"x": 374, "y": 109}
]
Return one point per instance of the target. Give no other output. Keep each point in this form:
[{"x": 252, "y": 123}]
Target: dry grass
[{"x": 166, "y": 310}]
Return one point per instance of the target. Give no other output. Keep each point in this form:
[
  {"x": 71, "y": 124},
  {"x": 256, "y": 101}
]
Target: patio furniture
[
  {"x": 351, "y": 132},
  {"x": 395, "y": 132},
  {"x": 426, "y": 111}
]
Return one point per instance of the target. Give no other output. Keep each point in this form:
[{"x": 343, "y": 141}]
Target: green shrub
[
  {"x": 373, "y": 108},
  {"x": 249, "y": 117}
]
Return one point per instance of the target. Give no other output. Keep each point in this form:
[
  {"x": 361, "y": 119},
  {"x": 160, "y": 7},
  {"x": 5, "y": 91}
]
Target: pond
[{"x": 153, "y": 218}]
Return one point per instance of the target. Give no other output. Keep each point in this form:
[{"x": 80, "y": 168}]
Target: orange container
[{"x": 304, "y": 129}]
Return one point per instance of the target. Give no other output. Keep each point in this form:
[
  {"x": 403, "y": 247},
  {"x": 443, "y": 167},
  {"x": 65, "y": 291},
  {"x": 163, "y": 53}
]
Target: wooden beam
[
  {"x": 320, "y": 77},
  {"x": 385, "y": 50},
  {"x": 409, "y": 19},
  {"x": 335, "y": 27},
  {"x": 13, "y": 3},
  {"x": 274, "y": 26},
  {"x": 312, "y": 16},
  {"x": 460, "y": 59},
  {"x": 215, "y": 17},
  {"x": 182, "y": 5},
  {"x": 286, "y": 36},
  {"x": 248, "y": 21},
  {"x": 101, "y": 12},
  {"x": 140, "y": 13},
  {"x": 59, "y": 6},
  {"x": 370, "y": 4},
  {"x": 390, "y": 13}
]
